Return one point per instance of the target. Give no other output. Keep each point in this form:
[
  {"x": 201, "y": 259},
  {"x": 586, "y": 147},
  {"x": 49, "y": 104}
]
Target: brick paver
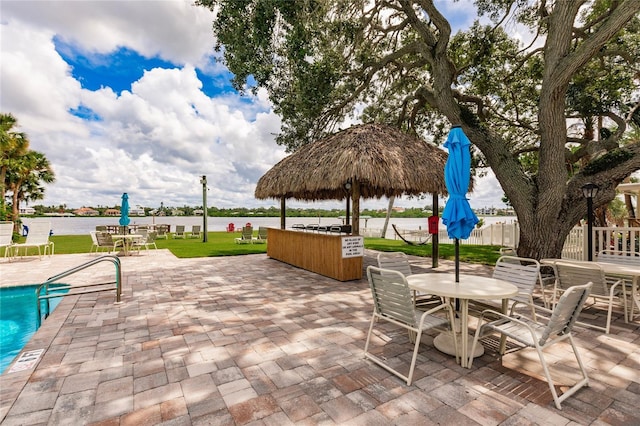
[{"x": 250, "y": 340}]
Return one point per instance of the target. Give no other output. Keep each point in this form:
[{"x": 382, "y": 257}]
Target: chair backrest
[
  {"x": 395, "y": 261},
  {"x": 195, "y": 229},
  {"x": 391, "y": 295},
  {"x": 6, "y": 233},
  {"x": 570, "y": 275},
  {"x": 104, "y": 239},
  {"x": 39, "y": 232},
  {"x": 247, "y": 233},
  {"x": 262, "y": 232},
  {"x": 161, "y": 230},
  {"x": 519, "y": 271},
  {"x": 179, "y": 229},
  {"x": 94, "y": 238},
  {"x": 151, "y": 236},
  {"x": 566, "y": 311},
  {"x": 621, "y": 257}
]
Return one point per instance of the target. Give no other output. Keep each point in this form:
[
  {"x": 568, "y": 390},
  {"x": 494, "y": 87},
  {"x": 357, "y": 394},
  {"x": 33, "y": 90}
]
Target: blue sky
[{"x": 128, "y": 97}]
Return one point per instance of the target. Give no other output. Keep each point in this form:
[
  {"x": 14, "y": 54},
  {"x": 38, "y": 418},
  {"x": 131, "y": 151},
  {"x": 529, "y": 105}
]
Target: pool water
[{"x": 18, "y": 316}]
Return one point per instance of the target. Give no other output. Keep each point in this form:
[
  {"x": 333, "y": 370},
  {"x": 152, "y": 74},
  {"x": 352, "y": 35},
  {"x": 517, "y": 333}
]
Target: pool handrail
[{"x": 52, "y": 280}]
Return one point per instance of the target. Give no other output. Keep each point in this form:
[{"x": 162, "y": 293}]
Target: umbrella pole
[{"x": 457, "y": 255}]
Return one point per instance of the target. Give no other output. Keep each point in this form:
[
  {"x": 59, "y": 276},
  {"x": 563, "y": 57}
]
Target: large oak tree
[{"x": 546, "y": 117}]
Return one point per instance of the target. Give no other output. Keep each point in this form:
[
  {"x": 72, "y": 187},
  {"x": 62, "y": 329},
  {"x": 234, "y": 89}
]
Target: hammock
[{"x": 413, "y": 238}]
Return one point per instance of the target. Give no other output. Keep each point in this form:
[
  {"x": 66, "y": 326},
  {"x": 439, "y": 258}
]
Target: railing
[
  {"x": 604, "y": 238},
  {"x": 77, "y": 289},
  {"x": 575, "y": 246}
]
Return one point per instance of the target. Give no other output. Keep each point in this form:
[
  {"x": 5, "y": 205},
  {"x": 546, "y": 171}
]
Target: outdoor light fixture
[
  {"x": 590, "y": 190},
  {"x": 203, "y": 181},
  {"x": 347, "y": 187}
]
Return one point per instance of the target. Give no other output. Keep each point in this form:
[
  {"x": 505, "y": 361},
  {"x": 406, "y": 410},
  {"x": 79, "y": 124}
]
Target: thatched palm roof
[{"x": 381, "y": 160}]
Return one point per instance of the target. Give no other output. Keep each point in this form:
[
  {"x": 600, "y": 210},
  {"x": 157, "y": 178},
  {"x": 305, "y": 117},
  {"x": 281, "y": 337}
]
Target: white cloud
[{"x": 155, "y": 140}]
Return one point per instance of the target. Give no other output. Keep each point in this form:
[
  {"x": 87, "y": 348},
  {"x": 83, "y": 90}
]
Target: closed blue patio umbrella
[
  {"x": 124, "y": 210},
  {"x": 457, "y": 215}
]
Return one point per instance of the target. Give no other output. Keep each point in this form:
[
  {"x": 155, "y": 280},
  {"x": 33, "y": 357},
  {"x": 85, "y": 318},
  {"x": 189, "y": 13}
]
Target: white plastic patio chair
[
  {"x": 262, "y": 236},
  {"x": 195, "y": 232},
  {"x": 179, "y": 232},
  {"x": 105, "y": 241},
  {"x": 399, "y": 261},
  {"x": 6, "y": 238},
  {"x": 569, "y": 275},
  {"x": 392, "y": 302},
  {"x": 38, "y": 237},
  {"x": 94, "y": 242},
  {"x": 536, "y": 335},
  {"x": 522, "y": 272},
  {"x": 246, "y": 236}
]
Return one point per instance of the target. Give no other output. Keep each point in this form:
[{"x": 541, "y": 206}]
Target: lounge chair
[
  {"x": 6, "y": 237},
  {"x": 179, "y": 232},
  {"x": 195, "y": 232},
  {"x": 246, "y": 237},
  {"x": 262, "y": 235},
  {"x": 38, "y": 237},
  {"x": 161, "y": 231}
]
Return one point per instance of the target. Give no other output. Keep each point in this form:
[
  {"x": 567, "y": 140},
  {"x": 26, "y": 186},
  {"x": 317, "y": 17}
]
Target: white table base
[{"x": 444, "y": 343}]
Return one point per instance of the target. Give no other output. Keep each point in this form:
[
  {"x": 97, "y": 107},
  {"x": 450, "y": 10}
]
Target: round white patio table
[{"x": 470, "y": 287}]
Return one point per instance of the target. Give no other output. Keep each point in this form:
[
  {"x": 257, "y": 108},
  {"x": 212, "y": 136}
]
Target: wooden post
[
  {"x": 355, "y": 194},
  {"x": 283, "y": 213}
]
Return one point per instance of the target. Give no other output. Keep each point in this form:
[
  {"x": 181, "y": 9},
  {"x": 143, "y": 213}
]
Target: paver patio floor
[{"x": 249, "y": 340}]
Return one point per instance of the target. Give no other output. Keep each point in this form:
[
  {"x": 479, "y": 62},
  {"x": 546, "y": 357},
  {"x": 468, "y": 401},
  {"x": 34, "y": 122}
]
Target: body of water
[
  {"x": 18, "y": 320},
  {"x": 76, "y": 225}
]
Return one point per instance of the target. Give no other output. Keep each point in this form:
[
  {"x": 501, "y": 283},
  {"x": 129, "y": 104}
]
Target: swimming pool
[{"x": 18, "y": 319}]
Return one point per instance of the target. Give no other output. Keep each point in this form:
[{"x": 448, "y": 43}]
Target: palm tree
[
  {"x": 13, "y": 145},
  {"x": 24, "y": 178}
]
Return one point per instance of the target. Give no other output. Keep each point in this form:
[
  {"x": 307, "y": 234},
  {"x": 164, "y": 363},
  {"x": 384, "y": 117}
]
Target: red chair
[{"x": 231, "y": 227}]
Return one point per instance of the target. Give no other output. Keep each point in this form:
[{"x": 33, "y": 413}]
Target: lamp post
[
  {"x": 203, "y": 181},
  {"x": 589, "y": 190},
  {"x": 347, "y": 188}
]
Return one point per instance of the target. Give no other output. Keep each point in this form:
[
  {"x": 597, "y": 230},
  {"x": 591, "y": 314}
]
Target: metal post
[
  {"x": 589, "y": 190},
  {"x": 590, "y": 229},
  {"x": 203, "y": 181}
]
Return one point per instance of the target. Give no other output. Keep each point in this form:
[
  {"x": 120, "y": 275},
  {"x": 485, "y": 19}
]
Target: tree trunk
[{"x": 392, "y": 199}]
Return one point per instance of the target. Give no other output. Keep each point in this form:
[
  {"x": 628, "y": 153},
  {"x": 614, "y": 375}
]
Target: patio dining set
[{"x": 503, "y": 305}]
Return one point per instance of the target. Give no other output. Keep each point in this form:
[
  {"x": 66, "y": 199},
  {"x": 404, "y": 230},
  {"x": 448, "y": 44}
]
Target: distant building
[
  {"x": 198, "y": 212},
  {"x": 27, "y": 210},
  {"x": 112, "y": 212},
  {"x": 177, "y": 212},
  {"x": 138, "y": 211},
  {"x": 86, "y": 211}
]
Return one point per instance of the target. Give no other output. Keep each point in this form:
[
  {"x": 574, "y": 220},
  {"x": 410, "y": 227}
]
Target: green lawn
[{"x": 223, "y": 244}]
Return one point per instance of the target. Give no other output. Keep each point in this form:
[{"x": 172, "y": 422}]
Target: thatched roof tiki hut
[{"x": 377, "y": 160}]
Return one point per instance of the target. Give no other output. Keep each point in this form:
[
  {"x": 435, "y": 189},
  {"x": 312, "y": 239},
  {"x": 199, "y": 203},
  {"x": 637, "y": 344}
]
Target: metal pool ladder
[{"x": 52, "y": 292}]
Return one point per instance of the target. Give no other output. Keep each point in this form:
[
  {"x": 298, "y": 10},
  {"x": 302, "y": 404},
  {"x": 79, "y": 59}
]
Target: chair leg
[{"x": 415, "y": 356}]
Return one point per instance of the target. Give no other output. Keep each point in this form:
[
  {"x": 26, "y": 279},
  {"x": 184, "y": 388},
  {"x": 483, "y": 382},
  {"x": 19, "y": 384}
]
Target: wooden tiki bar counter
[{"x": 321, "y": 253}]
